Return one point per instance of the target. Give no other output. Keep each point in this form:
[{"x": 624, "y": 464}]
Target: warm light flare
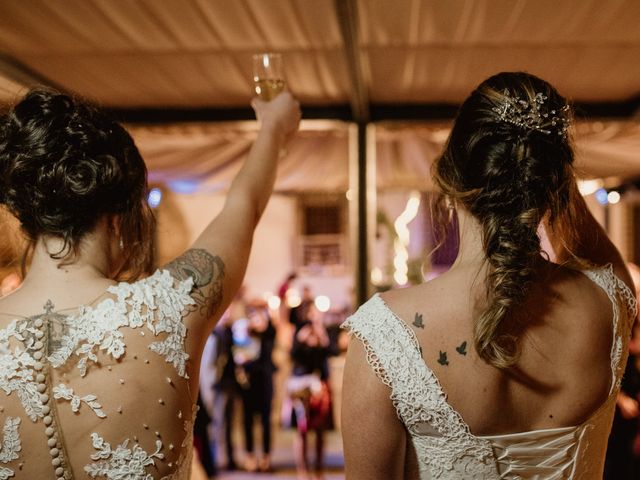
[{"x": 400, "y": 244}]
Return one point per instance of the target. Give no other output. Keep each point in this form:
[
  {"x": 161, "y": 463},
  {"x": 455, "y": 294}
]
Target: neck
[
  {"x": 90, "y": 263},
  {"x": 470, "y": 251}
]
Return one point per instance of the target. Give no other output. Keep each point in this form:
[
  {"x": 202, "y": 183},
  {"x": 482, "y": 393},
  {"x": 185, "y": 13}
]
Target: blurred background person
[
  {"x": 309, "y": 390},
  {"x": 283, "y": 288},
  {"x": 225, "y": 389},
  {"x": 201, "y": 438},
  {"x": 257, "y": 388},
  {"x": 298, "y": 315}
]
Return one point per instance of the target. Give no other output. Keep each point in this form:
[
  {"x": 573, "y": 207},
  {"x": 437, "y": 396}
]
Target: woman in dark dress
[
  {"x": 309, "y": 389},
  {"x": 257, "y": 392}
]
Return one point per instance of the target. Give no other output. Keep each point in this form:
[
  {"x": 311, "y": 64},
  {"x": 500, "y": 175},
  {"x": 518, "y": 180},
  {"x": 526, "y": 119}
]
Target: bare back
[
  {"x": 414, "y": 377},
  {"x": 563, "y": 373}
]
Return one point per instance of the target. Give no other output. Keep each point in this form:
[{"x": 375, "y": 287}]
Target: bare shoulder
[
  {"x": 577, "y": 291},
  {"x": 449, "y": 296},
  {"x": 374, "y": 438}
]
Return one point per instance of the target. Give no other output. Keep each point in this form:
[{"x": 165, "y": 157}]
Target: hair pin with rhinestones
[{"x": 533, "y": 115}]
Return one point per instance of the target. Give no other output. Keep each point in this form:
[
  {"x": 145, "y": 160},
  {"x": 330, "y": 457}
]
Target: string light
[
  {"x": 400, "y": 244},
  {"x": 274, "y": 302},
  {"x": 587, "y": 187},
  {"x": 613, "y": 197},
  {"x": 293, "y": 298},
  {"x": 602, "y": 196},
  {"x": 376, "y": 276},
  {"x": 155, "y": 197},
  {"x": 323, "y": 303}
]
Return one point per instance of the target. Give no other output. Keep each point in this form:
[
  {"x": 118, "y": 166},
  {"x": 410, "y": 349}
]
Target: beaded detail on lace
[
  {"x": 155, "y": 303},
  {"x": 27, "y": 359},
  {"x": 10, "y": 446},
  {"x": 66, "y": 393},
  {"x": 123, "y": 462},
  {"x": 394, "y": 354},
  {"x": 152, "y": 302}
]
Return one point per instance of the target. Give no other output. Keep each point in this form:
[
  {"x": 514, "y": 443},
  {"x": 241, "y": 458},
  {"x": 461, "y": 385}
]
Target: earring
[
  {"x": 121, "y": 244},
  {"x": 451, "y": 207}
]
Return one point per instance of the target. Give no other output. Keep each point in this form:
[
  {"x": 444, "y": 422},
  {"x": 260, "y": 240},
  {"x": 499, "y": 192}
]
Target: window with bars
[{"x": 322, "y": 243}]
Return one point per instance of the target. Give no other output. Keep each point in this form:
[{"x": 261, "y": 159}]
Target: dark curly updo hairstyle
[
  {"x": 509, "y": 174},
  {"x": 64, "y": 165}
]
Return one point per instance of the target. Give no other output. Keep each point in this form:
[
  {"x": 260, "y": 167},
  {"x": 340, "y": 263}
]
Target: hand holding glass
[{"x": 268, "y": 78}]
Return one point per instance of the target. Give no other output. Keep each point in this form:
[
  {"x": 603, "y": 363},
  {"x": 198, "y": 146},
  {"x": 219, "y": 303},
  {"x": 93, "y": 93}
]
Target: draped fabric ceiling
[{"x": 197, "y": 54}]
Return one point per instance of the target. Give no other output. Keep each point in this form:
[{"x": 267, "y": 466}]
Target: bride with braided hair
[{"x": 507, "y": 365}]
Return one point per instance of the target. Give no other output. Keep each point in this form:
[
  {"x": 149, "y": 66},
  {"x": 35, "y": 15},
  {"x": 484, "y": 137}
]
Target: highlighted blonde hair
[{"x": 509, "y": 178}]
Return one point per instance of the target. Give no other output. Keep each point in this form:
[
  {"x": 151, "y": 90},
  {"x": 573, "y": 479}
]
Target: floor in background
[
  {"x": 282, "y": 451},
  {"x": 284, "y": 467}
]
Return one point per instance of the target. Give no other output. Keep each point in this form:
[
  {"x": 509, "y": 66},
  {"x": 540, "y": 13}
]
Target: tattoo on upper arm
[
  {"x": 207, "y": 272},
  {"x": 417, "y": 322}
]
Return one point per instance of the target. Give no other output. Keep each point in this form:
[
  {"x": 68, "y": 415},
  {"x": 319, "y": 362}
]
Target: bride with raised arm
[
  {"x": 508, "y": 365},
  {"x": 99, "y": 378}
]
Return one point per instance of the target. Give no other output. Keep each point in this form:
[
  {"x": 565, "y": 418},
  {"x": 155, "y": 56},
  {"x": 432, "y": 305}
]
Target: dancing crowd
[{"x": 237, "y": 382}]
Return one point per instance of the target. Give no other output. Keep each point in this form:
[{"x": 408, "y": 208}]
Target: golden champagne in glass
[{"x": 268, "y": 78}]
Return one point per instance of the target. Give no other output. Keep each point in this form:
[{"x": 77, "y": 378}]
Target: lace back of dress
[
  {"x": 624, "y": 307},
  {"x": 79, "y": 380},
  {"x": 443, "y": 443}
]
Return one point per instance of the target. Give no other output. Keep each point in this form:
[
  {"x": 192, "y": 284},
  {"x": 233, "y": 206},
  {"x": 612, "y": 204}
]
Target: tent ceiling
[
  {"x": 197, "y": 53},
  {"x": 205, "y": 157}
]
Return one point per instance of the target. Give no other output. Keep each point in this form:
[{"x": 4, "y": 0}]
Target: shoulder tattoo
[{"x": 207, "y": 272}]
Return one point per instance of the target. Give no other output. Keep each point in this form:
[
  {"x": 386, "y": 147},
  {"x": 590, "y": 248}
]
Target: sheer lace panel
[
  {"x": 11, "y": 446},
  {"x": 39, "y": 351},
  {"x": 394, "y": 354}
]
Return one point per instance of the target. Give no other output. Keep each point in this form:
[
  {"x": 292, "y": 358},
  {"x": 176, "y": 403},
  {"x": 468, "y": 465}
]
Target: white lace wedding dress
[
  {"x": 101, "y": 392},
  {"x": 445, "y": 447}
]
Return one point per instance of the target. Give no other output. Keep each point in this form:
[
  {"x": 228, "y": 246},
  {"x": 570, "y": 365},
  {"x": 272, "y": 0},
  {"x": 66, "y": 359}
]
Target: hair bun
[{"x": 63, "y": 164}]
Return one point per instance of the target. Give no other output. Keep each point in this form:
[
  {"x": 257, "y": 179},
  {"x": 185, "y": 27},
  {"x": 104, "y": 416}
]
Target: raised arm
[
  {"x": 585, "y": 239},
  {"x": 218, "y": 259}
]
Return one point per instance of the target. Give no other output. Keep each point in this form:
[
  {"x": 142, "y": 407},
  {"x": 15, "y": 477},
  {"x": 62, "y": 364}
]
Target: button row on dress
[{"x": 41, "y": 380}]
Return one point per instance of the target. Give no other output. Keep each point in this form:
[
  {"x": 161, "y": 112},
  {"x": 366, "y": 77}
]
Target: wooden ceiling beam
[
  {"x": 377, "y": 112},
  {"x": 19, "y": 73},
  {"x": 347, "y": 11}
]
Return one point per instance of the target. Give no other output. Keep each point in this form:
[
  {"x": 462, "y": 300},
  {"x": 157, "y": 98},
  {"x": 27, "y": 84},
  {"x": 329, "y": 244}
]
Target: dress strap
[
  {"x": 395, "y": 356},
  {"x": 622, "y": 300},
  {"x": 382, "y": 340}
]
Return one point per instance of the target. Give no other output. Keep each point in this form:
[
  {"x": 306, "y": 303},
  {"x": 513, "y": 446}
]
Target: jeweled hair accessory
[{"x": 533, "y": 115}]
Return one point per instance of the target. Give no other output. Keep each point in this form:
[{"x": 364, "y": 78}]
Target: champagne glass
[{"x": 268, "y": 78}]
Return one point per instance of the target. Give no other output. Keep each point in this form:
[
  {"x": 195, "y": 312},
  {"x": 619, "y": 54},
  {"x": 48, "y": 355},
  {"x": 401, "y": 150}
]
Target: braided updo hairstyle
[
  {"x": 508, "y": 177},
  {"x": 64, "y": 165}
]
